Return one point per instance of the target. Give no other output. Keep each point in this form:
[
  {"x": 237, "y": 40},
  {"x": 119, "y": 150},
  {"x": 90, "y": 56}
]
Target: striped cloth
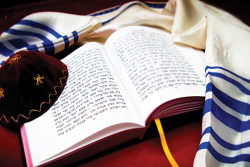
[
  {"x": 226, "y": 120},
  {"x": 226, "y": 115},
  {"x": 52, "y": 32},
  {"x": 36, "y": 33},
  {"x": 226, "y": 136}
]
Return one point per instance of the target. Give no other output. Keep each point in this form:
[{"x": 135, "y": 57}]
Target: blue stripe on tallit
[
  {"x": 229, "y": 120},
  {"x": 206, "y": 131},
  {"x": 224, "y": 143},
  {"x": 75, "y": 35},
  {"x": 203, "y": 145},
  {"x": 2, "y": 63},
  {"x": 236, "y": 105},
  {"x": 26, "y": 33},
  {"x": 230, "y": 160},
  {"x": 18, "y": 43},
  {"x": 49, "y": 47},
  {"x": 132, "y": 4},
  {"x": 5, "y": 51},
  {"x": 230, "y": 80},
  {"x": 32, "y": 48},
  {"x": 208, "y": 102},
  {"x": 152, "y": 5},
  {"x": 226, "y": 117},
  {"x": 40, "y": 26},
  {"x": 221, "y": 68},
  {"x": 155, "y": 5},
  {"x": 105, "y": 11},
  {"x": 207, "y": 106},
  {"x": 222, "y": 158},
  {"x": 48, "y": 44},
  {"x": 66, "y": 41}
]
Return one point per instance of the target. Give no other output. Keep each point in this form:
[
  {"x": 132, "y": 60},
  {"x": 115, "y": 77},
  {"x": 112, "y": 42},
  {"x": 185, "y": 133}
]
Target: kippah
[{"x": 30, "y": 82}]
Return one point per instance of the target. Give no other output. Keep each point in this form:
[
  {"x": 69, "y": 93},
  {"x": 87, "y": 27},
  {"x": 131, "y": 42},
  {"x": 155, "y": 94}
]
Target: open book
[{"x": 113, "y": 93}]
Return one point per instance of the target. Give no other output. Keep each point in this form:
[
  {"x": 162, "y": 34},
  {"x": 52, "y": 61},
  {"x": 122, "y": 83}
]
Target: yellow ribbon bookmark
[{"x": 164, "y": 143}]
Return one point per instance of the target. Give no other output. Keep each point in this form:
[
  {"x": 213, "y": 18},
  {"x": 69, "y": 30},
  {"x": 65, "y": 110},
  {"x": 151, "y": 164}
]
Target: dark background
[{"x": 13, "y": 11}]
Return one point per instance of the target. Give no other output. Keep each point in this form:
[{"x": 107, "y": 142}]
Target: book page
[
  {"x": 154, "y": 69},
  {"x": 92, "y": 100}
]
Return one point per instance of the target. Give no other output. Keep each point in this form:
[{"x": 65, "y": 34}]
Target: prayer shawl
[{"x": 226, "y": 119}]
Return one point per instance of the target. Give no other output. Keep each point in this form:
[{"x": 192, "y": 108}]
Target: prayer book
[{"x": 113, "y": 92}]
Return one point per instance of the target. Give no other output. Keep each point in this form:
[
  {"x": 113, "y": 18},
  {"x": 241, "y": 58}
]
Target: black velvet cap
[{"x": 30, "y": 82}]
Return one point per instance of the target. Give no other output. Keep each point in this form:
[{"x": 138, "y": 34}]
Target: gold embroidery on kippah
[
  {"x": 52, "y": 94},
  {"x": 38, "y": 79},
  {"x": 1, "y": 93},
  {"x": 15, "y": 59}
]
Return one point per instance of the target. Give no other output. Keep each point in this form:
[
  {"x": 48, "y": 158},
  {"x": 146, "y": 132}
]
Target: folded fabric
[
  {"x": 225, "y": 140},
  {"x": 46, "y": 32}
]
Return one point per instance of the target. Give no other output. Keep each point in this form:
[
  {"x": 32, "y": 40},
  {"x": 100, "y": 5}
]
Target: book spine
[{"x": 26, "y": 146}]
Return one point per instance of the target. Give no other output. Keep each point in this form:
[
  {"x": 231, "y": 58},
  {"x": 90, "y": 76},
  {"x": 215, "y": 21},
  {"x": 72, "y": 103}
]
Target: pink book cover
[{"x": 26, "y": 146}]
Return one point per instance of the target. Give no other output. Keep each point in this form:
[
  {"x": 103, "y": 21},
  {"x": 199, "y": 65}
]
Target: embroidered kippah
[{"x": 30, "y": 82}]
